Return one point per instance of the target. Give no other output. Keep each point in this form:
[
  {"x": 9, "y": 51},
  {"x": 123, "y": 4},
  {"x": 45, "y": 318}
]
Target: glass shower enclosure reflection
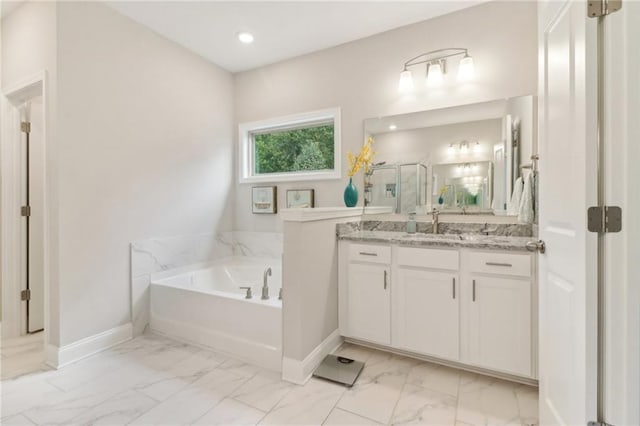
[{"x": 402, "y": 187}]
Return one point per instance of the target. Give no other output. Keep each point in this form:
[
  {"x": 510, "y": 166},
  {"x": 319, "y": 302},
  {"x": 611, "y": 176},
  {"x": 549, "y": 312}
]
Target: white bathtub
[{"x": 206, "y": 306}]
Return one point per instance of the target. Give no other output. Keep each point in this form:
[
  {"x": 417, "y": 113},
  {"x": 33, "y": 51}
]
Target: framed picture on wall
[
  {"x": 264, "y": 199},
  {"x": 300, "y": 198}
]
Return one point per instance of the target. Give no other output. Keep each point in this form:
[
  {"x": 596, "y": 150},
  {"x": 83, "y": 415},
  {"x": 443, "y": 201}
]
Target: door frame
[{"x": 13, "y": 310}]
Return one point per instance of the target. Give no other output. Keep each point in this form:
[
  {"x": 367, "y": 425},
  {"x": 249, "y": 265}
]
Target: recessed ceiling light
[
  {"x": 245, "y": 37},
  {"x": 393, "y": 127}
]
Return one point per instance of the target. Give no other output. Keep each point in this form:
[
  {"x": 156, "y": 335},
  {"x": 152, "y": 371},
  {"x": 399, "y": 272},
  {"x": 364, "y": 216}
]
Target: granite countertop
[{"x": 492, "y": 242}]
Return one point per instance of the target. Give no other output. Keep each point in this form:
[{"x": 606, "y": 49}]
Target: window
[{"x": 300, "y": 147}]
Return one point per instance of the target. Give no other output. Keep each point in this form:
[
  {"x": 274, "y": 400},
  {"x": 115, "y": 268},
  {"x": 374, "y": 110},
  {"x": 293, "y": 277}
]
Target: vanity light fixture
[
  {"x": 406, "y": 81},
  {"x": 435, "y": 71},
  {"x": 464, "y": 147},
  {"x": 436, "y": 63},
  {"x": 476, "y": 147}
]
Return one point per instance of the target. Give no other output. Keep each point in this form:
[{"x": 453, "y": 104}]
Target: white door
[
  {"x": 426, "y": 312},
  {"x": 498, "y": 326},
  {"x": 36, "y": 221},
  {"x": 369, "y": 303},
  {"x": 567, "y": 136}
]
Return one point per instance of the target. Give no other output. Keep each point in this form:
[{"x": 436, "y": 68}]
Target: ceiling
[{"x": 282, "y": 30}]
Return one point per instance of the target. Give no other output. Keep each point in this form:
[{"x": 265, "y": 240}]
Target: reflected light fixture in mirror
[{"x": 436, "y": 63}]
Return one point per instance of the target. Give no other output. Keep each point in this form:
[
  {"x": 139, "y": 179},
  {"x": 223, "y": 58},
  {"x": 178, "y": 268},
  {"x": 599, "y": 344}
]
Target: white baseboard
[
  {"x": 299, "y": 372},
  {"x": 58, "y": 357},
  {"x": 262, "y": 355}
]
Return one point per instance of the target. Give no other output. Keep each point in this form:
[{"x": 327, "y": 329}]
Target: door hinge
[
  {"x": 604, "y": 219},
  {"x": 25, "y": 295},
  {"x": 598, "y": 8},
  {"x": 25, "y": 211},
  {"x": 25, "y": 126}
]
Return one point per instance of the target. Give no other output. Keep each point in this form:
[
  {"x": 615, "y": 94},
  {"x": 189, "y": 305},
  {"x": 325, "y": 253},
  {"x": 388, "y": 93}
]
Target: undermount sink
[{"x": 454, "y": 237}]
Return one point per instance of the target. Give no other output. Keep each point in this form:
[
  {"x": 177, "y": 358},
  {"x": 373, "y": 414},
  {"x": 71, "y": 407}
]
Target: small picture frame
[
  {"x": 264, "y": 199},
  {"x": 300, "y": 198}
]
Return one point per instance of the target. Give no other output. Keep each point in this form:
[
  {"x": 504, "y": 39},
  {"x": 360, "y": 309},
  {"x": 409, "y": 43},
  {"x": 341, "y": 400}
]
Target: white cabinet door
[
  {"x": 426, "y": 312},
  {"x": 498, "y": 324},
  {"x": 369, "y": 303}
]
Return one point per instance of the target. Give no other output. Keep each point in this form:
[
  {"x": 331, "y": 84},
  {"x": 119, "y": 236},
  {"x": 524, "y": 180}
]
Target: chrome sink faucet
[
  {"x": 435, "y": 220},
  {"x": 265, "y": 286},
  {"x": 487, "y": 231}
]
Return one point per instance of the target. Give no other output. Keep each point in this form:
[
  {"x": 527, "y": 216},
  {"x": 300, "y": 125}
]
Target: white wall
[
  {"x": 29, "y": 46},
  {"x": 145, "y": 132},
  {"x": 362, "y": 78}
]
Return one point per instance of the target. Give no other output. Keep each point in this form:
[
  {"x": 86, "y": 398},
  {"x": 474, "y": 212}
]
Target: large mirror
[{"x": 463, "y": 159}]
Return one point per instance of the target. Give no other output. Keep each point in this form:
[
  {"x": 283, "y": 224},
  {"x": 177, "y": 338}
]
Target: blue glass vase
[{"x": 350, "y": 194}]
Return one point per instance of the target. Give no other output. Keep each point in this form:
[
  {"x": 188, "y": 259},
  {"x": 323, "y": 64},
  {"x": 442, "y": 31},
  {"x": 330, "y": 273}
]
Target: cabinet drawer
[
  {"x": 428, "y": 258},
  {"x": 500, "y": 263},
  {"x": 370, "y": 253}
]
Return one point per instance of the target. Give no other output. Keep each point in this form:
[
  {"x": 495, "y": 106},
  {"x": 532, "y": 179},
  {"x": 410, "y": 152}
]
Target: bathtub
[{"x": 206, "y": 306}]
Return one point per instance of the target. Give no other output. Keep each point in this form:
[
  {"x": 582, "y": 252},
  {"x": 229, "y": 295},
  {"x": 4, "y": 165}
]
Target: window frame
[{"x": 247, "y": 150}]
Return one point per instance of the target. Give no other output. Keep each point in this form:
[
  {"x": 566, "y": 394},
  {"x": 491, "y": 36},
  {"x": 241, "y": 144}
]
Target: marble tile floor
[
  {"x": 22, "y": 355},
  {"x": 152, "y": 380}
]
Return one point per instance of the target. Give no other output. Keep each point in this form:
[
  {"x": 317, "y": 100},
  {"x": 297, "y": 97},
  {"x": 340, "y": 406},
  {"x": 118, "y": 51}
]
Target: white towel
[
  {"x": 525, "y": 213},
  {"x": 514, "y": 206}
]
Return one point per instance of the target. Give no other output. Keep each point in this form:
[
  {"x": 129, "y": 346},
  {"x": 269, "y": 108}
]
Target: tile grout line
[
  {"x": 404, "y": 384},
  {"x": 334, "y": 407},
  {"x": 220, "y": 402}
]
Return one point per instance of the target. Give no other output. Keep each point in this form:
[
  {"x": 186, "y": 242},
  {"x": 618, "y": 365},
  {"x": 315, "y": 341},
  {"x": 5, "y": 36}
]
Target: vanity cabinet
[
  {"x": 426, "y": 301},
  {"x": 475, "y": 308},
  {"x": 498, "y": 324},
  {"x": 369, "y": 302},
  {"x": 426, "y": 312},
  {"x": 368, "y": 294}
]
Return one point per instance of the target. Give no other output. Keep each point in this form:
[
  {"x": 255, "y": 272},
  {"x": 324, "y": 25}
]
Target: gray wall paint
[
  {"x": 362, "y": 78},
  {"x": 29, "y": 46},
  {"x": 145, "y": 149}
]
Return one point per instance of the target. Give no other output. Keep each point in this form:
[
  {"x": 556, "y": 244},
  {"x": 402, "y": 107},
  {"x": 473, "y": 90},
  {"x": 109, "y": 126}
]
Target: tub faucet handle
[
  {"x": 249, "y": 295},
  {"x": 265, "y": 285}
]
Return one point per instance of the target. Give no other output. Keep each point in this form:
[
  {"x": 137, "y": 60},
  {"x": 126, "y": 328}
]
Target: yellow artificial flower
[{"x": 362, "y": 160}]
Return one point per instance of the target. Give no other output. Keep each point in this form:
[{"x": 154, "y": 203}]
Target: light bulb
[
  {"x": 245, "y": 37},
  {"x": 466, "y": 70},
  {"x": 406, "y": 81},
  {"x": 434, "y": 75},
  {"x": 393, "y": 127},
  {"x": 450, "y": 150},
  {"x": 476, "y": 147}
]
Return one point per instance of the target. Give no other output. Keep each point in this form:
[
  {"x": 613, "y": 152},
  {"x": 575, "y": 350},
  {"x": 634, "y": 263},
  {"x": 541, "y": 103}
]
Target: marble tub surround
[
  {"x": 155, "y": 380},
  {"x": 482, "y": 242},
  {"x": 157, "y": 255},
  {"x": 425, "y": 227}
]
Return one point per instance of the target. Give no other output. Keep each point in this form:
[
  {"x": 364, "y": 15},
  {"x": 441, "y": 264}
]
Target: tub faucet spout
[{"x": 265, "y": 286}]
